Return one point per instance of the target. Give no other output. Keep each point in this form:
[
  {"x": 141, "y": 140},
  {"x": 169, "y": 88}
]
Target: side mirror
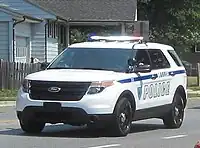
[
  {"x": 142, "y": 68},
  {"x": 44, "y": 65}
]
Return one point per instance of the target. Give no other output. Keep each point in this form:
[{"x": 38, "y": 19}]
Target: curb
[{"x": 7, "y": 103}]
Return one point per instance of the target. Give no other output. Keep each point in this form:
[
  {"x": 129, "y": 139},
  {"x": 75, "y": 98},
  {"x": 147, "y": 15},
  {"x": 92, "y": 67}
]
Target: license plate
[{"x": 52, "y": 106}]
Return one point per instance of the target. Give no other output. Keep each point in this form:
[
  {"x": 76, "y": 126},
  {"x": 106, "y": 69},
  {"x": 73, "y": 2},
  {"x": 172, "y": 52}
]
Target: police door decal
[
  {"x": 156, "y": 90},
  {"x": 139, "y": 90}
]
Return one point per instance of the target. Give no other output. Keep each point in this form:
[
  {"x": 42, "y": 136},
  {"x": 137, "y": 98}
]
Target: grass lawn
[
  {"x": 8, "y": 95},
  {"x": 194, "y": 88},
  {"x": 192, "y": 81},
  {"x": 193, "y": 95},
  {"x": 192, "y": 84}
]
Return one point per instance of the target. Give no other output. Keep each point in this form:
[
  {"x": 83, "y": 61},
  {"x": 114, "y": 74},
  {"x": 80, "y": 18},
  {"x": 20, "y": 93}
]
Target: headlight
[
  {"x": 97, "y": 87},
  {"x": 26, "y": 85}
]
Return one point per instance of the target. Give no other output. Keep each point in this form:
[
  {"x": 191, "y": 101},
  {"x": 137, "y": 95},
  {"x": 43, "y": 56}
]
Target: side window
[
  {"x": 142, "y": 57},
  {"x": 175, "y": 57},
  {"x": 158, "y": 59}
]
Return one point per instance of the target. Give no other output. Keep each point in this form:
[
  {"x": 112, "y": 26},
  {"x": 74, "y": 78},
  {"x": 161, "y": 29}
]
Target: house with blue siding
[
  {"x": 40, "y": 29},
  {"x": 22, "y": 32}
]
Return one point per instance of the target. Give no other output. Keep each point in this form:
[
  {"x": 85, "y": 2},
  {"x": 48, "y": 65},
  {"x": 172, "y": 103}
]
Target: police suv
[{"x": 108, "y": 82}]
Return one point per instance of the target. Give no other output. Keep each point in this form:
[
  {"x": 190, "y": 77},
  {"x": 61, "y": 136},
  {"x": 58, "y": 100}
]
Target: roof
[
  {"x": 18, "y": 15},
  {"x": 90, "y": 10},
  {"x": 120, "y": 45},
  {"x": 26, "y": 8}
]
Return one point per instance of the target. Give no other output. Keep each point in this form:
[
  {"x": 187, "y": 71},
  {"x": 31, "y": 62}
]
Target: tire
[
  {"x": 123, "y": 114},
  {"x": 32, "y": 126},
  {"x": 174, "y": 119}
]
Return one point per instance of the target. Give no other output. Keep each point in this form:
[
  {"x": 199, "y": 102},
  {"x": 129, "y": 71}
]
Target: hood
[{"x": 75, "y": 75}]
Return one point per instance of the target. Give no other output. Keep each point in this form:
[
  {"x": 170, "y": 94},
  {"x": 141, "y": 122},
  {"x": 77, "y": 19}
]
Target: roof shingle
[{"x": 90, "y": 9}]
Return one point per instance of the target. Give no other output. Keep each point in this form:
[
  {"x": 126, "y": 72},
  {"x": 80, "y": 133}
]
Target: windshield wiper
[
  {"x": 80, "y": 68},
  {"x": 92, "y": 68},
  {"x": 100, "y": 69},
  {"x": 58, "y": 68}
]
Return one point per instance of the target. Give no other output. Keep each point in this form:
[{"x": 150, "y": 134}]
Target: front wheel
[
  {"x": 175, "y": 117},
  {"x": 32, "y": 126},
  {"x": 123, "y": 117}
]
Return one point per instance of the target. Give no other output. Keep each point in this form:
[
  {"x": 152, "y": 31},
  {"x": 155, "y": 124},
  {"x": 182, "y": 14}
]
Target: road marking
[
  {"x": 173, "y": 137},
  {"x": 105, "y": 146}
]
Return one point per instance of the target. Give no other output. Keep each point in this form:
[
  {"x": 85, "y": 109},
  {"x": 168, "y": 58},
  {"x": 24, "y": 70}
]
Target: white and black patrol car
[{"x": 108, "y": 82}]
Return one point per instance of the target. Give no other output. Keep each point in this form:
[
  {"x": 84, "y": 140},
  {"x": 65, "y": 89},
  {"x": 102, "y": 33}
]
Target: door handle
[
  {"x": 172, "y": 74},
  {"x": 154, "y": 76}
]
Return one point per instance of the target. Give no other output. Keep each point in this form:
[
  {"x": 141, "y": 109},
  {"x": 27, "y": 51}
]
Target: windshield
[{"x": 93, "y": 58}]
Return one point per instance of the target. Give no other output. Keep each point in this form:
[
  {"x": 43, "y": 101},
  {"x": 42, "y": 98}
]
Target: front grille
[{"x": 70, "y": 91}]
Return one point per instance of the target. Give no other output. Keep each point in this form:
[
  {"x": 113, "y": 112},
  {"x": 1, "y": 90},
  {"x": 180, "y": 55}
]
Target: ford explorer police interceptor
[{"x": 108, "y": 82}]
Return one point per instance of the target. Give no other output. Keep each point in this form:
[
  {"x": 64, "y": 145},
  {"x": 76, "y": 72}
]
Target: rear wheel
[
  {"x": 123, "y": 117},
  {"x": 174, "y": 118},
  {"x": 32, "y": 126}
]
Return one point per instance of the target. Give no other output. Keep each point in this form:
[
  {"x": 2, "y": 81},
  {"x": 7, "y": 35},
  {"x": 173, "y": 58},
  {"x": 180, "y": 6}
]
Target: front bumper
[
  {"x": 91, "y": 104},
  {"x": 57, "y": 114}
]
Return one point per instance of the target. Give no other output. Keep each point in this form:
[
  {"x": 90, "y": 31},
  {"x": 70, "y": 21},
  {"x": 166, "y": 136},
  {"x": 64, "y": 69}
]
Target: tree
[
  {"x": 81, "y": 33},
  {"x": 172, "y": 22}
]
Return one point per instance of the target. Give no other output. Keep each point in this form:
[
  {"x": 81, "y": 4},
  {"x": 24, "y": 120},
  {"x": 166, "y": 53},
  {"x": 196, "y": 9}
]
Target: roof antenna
[{"x": 145, "y": 42}]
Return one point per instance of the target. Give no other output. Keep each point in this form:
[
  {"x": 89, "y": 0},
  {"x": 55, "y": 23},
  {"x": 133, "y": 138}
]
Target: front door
[{"x": 143, "y": 81}]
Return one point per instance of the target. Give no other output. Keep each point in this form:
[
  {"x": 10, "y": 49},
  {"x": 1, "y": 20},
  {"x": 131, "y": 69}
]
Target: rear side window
[
  {"x": 175, "y": 57},
  {"x": 158, "y": 59},
  {"x": 142, "y": 57}
]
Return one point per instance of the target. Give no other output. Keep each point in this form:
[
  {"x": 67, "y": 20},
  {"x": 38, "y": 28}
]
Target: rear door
[{"x": 157, "y": 89}]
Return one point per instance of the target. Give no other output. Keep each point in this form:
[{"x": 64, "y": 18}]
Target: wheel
[
  {"x": 32, "y": 126},
  {"x": 123, "y": 117},
  {"x": 175, "y": 117}
]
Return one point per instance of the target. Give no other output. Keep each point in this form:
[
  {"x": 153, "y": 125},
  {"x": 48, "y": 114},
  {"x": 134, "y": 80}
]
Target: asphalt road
[{"x": 144, "y": 134}]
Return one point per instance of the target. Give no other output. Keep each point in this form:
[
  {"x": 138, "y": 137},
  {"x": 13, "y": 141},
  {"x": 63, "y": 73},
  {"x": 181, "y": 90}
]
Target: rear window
[{"x": 175, "y": 57}]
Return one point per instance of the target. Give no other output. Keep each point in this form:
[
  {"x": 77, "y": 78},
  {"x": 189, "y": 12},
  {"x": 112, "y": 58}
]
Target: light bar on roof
[{"x": 117, "y": 38}]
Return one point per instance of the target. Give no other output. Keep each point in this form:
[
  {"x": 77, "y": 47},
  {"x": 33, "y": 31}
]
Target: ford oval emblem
[{"x": 54, "y": 89}]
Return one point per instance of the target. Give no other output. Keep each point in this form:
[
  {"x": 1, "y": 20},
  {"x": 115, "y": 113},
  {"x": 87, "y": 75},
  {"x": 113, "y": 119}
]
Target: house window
[
  {"x": 53, "y": 30},
  {"x": 62, "y": 34}
]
